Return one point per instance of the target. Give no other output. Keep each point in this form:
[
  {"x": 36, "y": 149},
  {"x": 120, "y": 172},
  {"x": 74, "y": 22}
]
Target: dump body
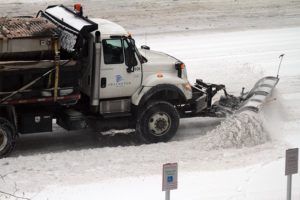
[
  {"x": 29, "y": 48},
  {"x": 26, "y": 38}
]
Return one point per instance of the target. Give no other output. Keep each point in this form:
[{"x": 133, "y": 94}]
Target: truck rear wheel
[
  {"x": 7, "y": 137},
  {"x": 157, "y": 122}
]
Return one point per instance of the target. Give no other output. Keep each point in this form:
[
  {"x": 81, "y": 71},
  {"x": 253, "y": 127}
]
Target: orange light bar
[
  {"x": 182, "y": 66},
  {"x": 78, "y": 7}
]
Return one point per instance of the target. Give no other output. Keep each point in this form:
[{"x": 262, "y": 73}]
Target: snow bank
[{"x": 243, "y": 129}]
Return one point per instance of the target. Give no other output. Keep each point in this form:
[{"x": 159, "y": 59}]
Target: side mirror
[
  {"x": 145, "y": 47},
  {"x": 130, "y": 60}
]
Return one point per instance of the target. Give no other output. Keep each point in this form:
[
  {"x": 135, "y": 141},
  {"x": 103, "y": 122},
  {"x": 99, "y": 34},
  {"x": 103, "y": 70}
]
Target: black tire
[
  {"x": 157, "y": 122},
  {"x": 7, "y": 137}
]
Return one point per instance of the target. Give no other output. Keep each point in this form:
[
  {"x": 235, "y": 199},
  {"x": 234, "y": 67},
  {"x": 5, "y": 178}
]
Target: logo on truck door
[
  {"x": 119, "y": 78},
  {"x": 120, "y": 82}
]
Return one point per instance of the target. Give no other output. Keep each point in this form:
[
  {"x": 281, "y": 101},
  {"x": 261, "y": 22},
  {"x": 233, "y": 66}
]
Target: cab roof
[{"x": 108, "y": 28}]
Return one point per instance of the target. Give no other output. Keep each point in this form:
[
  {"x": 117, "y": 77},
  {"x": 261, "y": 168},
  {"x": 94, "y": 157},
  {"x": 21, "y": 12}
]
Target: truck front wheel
[
  {"x": 157, "y": 122},
  {"x": 7, "y": 137}
]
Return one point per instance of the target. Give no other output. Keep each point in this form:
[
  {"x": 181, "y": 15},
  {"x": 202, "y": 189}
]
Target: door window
[{"x": 113, "y": 51}]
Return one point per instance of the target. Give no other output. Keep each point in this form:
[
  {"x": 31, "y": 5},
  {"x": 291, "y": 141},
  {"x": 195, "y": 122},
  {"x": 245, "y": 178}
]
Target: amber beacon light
[{"x": 78, "y": 8}]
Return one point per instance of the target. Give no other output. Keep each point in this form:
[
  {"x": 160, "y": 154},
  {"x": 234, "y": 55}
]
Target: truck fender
[
  {"x": 144, "y": 94},
  {"x": 160, "y": 82}
]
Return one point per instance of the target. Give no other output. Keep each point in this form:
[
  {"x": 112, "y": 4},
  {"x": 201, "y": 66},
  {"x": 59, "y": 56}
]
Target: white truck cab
[{"x": 127, "y": 73}]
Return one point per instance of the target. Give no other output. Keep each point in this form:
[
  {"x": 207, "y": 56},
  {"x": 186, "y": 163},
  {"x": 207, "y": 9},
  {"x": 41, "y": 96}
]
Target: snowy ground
[{"x": 214, "y": 163}]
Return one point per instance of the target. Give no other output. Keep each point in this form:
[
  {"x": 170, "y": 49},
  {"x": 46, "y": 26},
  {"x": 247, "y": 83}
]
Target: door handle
[{"x": 103, "y": 82}]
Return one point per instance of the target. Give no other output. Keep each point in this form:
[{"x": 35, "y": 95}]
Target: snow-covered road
[{"x": 61, "y": 166}]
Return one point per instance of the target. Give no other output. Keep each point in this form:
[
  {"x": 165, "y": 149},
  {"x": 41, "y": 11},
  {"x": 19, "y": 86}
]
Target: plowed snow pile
[{"x": 239, "y": 130}]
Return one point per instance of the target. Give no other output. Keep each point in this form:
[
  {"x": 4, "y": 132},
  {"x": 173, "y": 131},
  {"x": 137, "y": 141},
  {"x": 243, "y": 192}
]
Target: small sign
[
  {"x": 170, "y": 175},
  {"x": 291, "y": 161}
]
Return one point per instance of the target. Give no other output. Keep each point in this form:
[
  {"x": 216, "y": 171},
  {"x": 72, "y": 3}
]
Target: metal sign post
[
  {"x": 291, "y": 167},
  {"x": 167, "y": 197},
  {"x": 170, "y": 178}
]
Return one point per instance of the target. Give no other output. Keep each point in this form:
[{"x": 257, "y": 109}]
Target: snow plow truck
[{"x": 62, "y": 67}]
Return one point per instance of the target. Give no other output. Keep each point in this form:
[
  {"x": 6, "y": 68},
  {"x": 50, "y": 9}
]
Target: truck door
[{"x": 120, "y": 70}]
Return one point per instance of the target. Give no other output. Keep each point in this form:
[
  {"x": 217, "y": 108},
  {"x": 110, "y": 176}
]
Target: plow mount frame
[{"x": 201, "y": 104}]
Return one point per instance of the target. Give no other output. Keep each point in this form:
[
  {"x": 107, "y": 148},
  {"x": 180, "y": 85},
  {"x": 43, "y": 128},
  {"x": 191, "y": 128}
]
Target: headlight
[{"x": 179, "y": 66}]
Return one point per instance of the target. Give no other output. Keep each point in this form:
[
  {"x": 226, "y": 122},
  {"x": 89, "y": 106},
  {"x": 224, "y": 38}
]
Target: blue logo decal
[
  {"x": 170, "y": 179},
  {"x": 119, "y": 78}
]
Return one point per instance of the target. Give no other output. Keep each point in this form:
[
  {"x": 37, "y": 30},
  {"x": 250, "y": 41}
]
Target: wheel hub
[
  {"x": 159, "y": 123},
  {"x": 3, "y": 140}
]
